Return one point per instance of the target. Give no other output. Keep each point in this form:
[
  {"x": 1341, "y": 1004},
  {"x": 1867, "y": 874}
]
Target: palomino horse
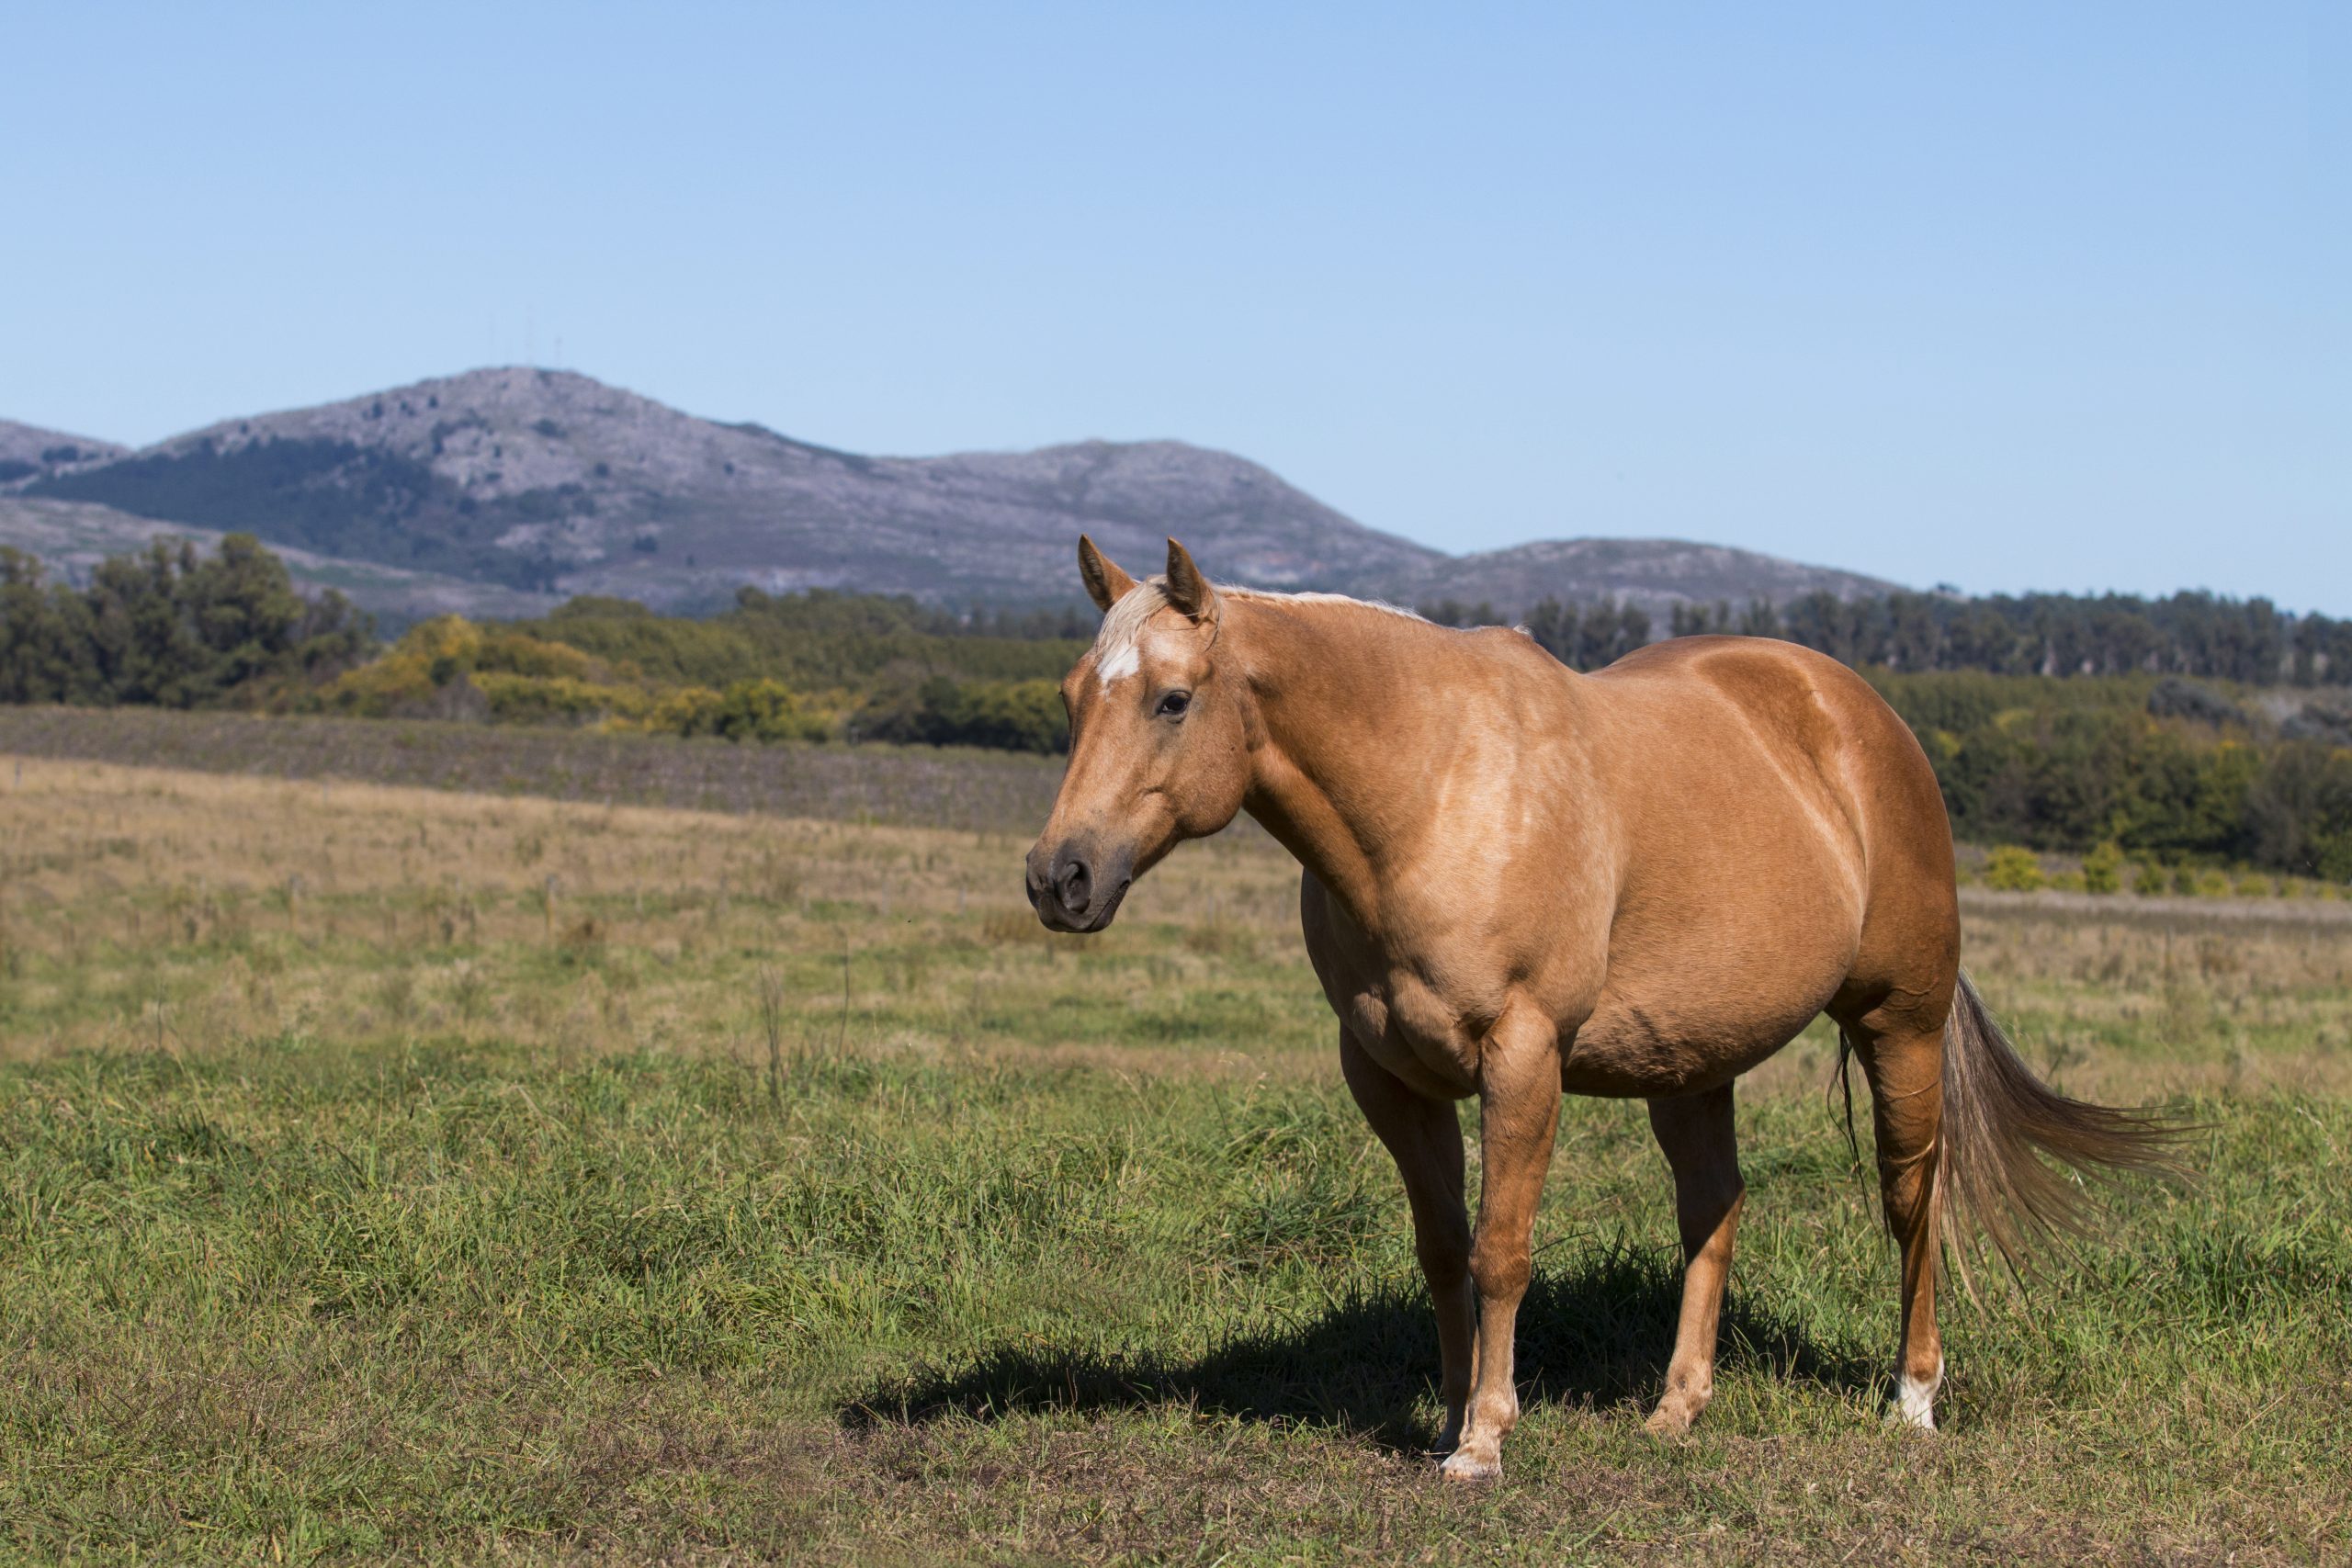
[{"x": 1521, "y": 880}]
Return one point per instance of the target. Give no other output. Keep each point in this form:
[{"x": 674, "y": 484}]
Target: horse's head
[{"x": 1159, "y": 747}]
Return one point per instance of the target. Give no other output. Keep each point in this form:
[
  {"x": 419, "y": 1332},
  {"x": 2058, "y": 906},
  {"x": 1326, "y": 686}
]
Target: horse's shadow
[{"x": 1597, "y": 1335}]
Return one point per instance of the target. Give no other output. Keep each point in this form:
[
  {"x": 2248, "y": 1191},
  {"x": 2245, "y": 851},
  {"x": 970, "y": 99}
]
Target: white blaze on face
[
  {"x": 1118, "y": 665},
  {"x": 1118, "y": 646}
]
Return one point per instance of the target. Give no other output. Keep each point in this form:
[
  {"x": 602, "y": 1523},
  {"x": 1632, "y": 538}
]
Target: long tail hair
[{"x": 2000, "y": 1120}]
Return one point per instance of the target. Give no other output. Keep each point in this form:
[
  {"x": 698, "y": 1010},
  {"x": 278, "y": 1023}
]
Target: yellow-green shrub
[
  {"x": 529, "y": 699},
  {"x": 689, "y": 710},
  {"x": 500, "y": 662},
  {"x": 761, "y": 710},
  {"x": 517, "y": 653},
  {"x": 2012, "y": 868}
]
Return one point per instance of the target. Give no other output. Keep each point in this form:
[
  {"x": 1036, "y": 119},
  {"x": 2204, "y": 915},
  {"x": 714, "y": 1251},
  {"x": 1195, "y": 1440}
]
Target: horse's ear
[
  {"x": 1105, "y": 583},
  {"x": 1187, "y": 589}
]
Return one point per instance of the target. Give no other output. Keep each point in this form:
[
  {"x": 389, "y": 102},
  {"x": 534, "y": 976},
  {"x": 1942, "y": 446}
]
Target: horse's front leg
[
  {"x": 1519, "y": 1112},
  {"x": 1425, "y": 1139}
]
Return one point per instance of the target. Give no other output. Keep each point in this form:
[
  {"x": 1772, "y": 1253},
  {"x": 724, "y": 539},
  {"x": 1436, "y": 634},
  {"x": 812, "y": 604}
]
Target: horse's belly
[
  {"x": 1696, "y": 1009},
  {"x": 1626, "y": 1050}
]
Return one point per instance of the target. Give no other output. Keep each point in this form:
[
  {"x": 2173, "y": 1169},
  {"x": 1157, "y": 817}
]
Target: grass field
[{"x": 422, "y": 1175}]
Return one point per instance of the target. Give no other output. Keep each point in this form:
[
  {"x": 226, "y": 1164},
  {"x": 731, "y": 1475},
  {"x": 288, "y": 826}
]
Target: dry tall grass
[
  {"x": 350, "y": 912},
  {"x": 227, "y": 905}
]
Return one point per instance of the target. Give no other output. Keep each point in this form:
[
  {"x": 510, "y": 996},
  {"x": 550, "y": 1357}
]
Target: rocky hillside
[
  {"x": 535, "y": 482},
  {"x": 28, "y": 453},
  {"x": 544, "y": 481},
  {"x": 1653, "y": 573}
]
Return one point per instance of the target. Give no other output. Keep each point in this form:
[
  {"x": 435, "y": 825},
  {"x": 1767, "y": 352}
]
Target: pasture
[{"x": 391, "y": 1173}]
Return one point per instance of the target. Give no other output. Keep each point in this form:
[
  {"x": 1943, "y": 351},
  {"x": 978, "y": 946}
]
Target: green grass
[
  {"x": 325, "y": 1237},
  {"x": 447, "y": 1299}
]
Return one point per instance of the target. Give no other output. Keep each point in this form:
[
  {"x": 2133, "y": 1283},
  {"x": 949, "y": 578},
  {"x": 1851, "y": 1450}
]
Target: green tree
[{"x": 171, "y": 627}]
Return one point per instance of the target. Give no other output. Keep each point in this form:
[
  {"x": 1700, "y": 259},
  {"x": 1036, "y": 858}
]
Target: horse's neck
[{"x": 1352, "y": 738}]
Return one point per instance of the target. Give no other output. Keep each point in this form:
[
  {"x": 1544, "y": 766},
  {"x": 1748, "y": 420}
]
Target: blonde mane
[{"x": 1382, "y": 606}]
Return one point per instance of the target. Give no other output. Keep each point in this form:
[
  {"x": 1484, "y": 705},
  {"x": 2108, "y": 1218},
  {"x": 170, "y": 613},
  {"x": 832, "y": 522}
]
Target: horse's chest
[
  {"x": 1426, "y": 1031},
  {"x": 1417, "y": 1035}
]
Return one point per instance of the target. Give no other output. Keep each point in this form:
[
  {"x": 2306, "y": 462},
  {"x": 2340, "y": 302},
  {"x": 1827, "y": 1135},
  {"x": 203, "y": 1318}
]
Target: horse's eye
[{"x": 1173, "y": 705}]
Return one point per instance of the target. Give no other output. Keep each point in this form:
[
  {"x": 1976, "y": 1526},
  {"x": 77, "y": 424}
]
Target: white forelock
[{"x": 1118, "y": 651}]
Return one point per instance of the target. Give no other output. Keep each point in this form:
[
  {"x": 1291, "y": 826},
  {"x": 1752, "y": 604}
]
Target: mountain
[
  {"x": 29, "y": 452},
  {"x": 1653, "y": 573},
  {"x": 542, "y": 480},
  {"x": 525, "y": 483}
]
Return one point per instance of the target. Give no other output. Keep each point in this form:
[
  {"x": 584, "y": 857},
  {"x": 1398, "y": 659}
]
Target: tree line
[
  {"x": 2173, "y": 730},
  {"x": 2202, "y": 635},
  {"x": 171, "y": 628},
  {"x": 2172, "y": 772},
  {"x": 818, "y": 638}
]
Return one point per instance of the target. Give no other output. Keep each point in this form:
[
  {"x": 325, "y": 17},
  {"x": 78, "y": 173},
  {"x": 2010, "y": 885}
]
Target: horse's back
[{"x": 1698, "y": 705}]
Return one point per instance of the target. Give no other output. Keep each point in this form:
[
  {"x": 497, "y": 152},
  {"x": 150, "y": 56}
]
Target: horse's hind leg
[
  {"x": 1700, "y": 1145},
  {"x": 1425, "y": 1139},
  {"x": 1904, "y": 1065}
]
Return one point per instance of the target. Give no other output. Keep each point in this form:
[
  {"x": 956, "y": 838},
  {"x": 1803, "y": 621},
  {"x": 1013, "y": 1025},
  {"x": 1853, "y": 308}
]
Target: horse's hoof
[
  {"x": 1462, "y": 1465},
  {"x": 1668, "y": 1420},
  {"x": 1915, "y": 1401},
  {"x": 1911, "y": 1417}
]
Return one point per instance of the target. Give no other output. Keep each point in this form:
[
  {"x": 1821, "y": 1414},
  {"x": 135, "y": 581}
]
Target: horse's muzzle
[{"x": 1074, "y": 889}]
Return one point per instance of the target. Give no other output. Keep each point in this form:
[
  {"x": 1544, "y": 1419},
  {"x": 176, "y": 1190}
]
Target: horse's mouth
[
  {"x": 1110, "y": 908},
  {"x": 1050, "y": 913}
]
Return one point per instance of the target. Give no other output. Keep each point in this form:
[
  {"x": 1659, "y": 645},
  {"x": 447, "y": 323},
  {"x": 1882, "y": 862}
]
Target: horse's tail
[{"x": 1999, "y": 1122}]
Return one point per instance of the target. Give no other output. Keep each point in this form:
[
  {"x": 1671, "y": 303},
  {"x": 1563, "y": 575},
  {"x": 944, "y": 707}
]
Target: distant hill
[
  {"x": 1653, "y": 573},
  {"x": 543, "y": 482},
  {"x": 546, "y": 480},
  {"x": 30, "y": 452}
]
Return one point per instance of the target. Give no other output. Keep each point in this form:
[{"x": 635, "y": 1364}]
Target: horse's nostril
[{"x": 1074, "y": 887}]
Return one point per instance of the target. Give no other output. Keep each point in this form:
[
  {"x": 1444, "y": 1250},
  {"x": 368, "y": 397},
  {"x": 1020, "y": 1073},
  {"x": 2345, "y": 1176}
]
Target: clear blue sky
[{"x": 2030, "y": 296}]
